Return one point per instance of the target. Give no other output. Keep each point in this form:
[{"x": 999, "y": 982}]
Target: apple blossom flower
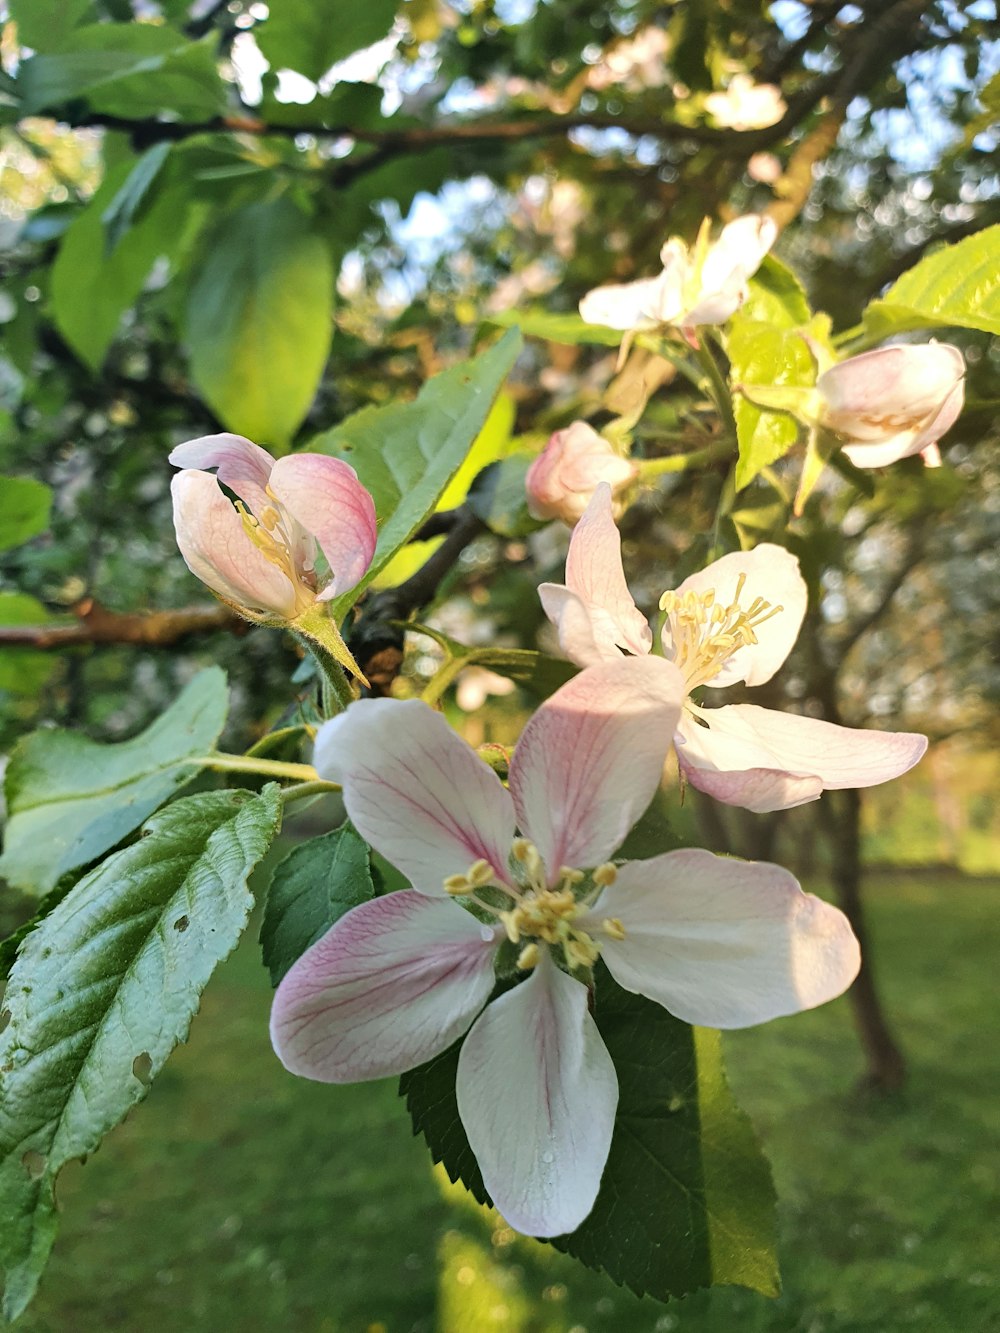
[
  {"x": 735, "y": 621},
  {"x": 894, "y": 401},
  {"x": 746, "y": 105},
  {"x": 563, "y": 477},
  {"x": 397, "y": 980},
  {"x": 259, "y": 553},
  {"x": 702, "y": 286}
]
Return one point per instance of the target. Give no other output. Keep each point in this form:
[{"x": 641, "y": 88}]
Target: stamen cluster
[{"x": 705, "y": 633}]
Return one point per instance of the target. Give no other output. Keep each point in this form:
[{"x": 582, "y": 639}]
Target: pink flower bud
[
  {"x": 569, "y": 469},
  {"x": 893, "y": 402}
]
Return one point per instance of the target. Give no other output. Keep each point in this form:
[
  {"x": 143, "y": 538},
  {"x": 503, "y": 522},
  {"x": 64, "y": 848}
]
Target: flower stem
[
  {"x": 299, "y": 790},
  {"x": 317, "y": 632},
  {"x": 710, "y": 453},
  {"x": 720, "y": 389},
  {"x": 272, "y": 768}
]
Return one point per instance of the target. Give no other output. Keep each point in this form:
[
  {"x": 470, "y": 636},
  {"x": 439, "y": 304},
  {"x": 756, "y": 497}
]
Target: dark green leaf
[
  {"x": 259, "y": 319},
  {"x": 406, "y": 453},
  {"x": 48, "y": 25},
  {"x": 24, "y": 510},
  {"x": 70, "y": 800},
  {"x": 499, "y": 498},
  {"x": 956, "y": 285},
  {"x": 312, "y": 888},
  {"x": 686, "y": 1199},
  {"x": 103, "y": 991},
  {"x": 121, "y": 212},
  {"x": 311, "y": 35}
]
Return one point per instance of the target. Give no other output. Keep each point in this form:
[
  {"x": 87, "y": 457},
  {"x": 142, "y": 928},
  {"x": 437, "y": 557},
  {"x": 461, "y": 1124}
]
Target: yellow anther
[
  {"x": 510, "y": 923},
  {"x": 567, "y": 875},
  {"x": 613, "y": 928},
  {"x": 480, "y": 873},
  {"x": 528, "y": 957},
  {"x": 605, "y": 875},
  {"x": 456, "y": 884},
  {"x": 270, "y": 518},
  {"x": 519, "y": 849}
]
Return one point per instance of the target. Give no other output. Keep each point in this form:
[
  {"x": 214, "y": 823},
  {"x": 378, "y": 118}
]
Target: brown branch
[{"x": 150, "y": 629}]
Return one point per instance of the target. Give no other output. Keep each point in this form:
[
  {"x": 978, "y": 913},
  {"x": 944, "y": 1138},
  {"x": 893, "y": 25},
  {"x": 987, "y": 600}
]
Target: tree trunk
[{"x": 842, "y": 820}]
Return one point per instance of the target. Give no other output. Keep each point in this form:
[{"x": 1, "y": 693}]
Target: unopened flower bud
[
  {"x": 894, "y": 401},
  {"x": 562, "y": 479}
]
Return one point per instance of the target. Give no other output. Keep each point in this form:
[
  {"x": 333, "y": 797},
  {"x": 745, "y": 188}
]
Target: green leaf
[
  {"x": 121, "y": 212},
  {"x": 686, "y": 1200},
  {"x": 24, "y": 671},
  {"x": 135, "y": 70},
  {"x": 406, "y": 453},
  {"x": 92, "y": 289},
  {"x": 776, "y": 296},
  {"x": 259, "y": 319},
  {"x": 564, "y": 327},
  {"x": 312, "y": 888},
  {"x": 70, "y": 799},
  {"x": 24, "y": 510},
  {"x": 499, "y": 498},
  {"x": 48, "y": 25},
  {"x": 763, "y": 354},
  {"x": 956, "y": 285},
  {"x": 311, "y": 35},
  {"x": 102, "y": 992}
]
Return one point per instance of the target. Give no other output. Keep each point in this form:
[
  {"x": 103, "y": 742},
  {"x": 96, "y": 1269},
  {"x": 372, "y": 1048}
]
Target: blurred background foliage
[{"x": 261, "y": 218}]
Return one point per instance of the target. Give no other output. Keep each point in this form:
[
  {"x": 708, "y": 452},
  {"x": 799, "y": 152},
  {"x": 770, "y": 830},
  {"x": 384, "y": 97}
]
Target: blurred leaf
[
  {"x": 776, "y": 296},
  {"x": 48, "y": 25},
  {"x": 686, "y": 1200},
  {"x": 24, "y": 671},
  {"x": 358, "y": 105},
  {"x": 311, "y": 35},
  {"x": 956, "y": 285},
  {"x": 763, "y": 354},
  {"x": 500, "y": 499},
  {"x": 92, "y": 289},
  {"x": 406, "y": 453},
  {"x": 24, "y": 510},
  {"x": 133, "y": 70},
  {"x": 102, "y": 992},
  {"x": 260, "y": 319},
  {"x": 121, "y": 212},
  {"x": 312, "y": 888},
  {"x": 566, "y": 327},
  {"x": 70, "y": 800}
]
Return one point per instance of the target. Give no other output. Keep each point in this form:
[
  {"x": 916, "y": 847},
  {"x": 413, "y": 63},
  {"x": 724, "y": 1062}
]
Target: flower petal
[
  {"x": 723, "y": 943},
  {"x": 590, "y": 759},
  {"x": 241, "y": 465},
  {"x": 587, "y": 635},
  {"x": 729, "y": 758},
  {"x": 537, "y": 1094},
  {"x": 217, "y": 550},
  {"x": 416, "y": 791},
  {"x": 390, "y": 985},
  {"x": 324, "y": 495},
  {"x": 769, "y": 572},
  {"x": 623, "y": 306}
]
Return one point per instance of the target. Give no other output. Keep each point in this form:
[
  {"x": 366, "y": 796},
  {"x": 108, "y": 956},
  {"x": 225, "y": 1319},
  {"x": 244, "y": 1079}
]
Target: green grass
[{"x": 238, "y": 1198}]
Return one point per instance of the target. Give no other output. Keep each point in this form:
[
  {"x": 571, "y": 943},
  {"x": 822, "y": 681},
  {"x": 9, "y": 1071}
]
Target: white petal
[
  {"x": 622, "y": 306},
  {"x": 742, "y": 737},
  {"x": 587, "y": 635},
  {"x": 240, "y": 464},
  {"x": 218, "y": 551},
  {"x": 537, "y": 1094},
  {"x": 391, "y": 985},
  {"x": 591, "y": 757},
  {"x": 416, "y": 791},
  {"x": 723, "y": 943},
  {"x": 594, "y": 572},
  {"x": 769, "y": 572}
]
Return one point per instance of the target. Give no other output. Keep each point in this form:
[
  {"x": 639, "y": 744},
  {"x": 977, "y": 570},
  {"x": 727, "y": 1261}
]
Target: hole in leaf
[
  {"x": 182, "y": 923},
  {"x": 34, "y": 1163},
  {"x": 142, "y": 1068},
  {"x": 4, "y": 1019}
]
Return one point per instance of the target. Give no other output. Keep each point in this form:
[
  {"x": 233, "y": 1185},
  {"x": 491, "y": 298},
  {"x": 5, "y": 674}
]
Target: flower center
[
  {"x": 541, "y": 913},
  {"x": 270, "y": 535},
  {"x": 705, "y": 634}
]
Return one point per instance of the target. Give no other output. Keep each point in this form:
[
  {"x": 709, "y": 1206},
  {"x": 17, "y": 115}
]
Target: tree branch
[{"x": 96, "y": 624}]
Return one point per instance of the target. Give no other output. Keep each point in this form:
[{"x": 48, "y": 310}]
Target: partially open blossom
[
  {"x": 746, "y": 105},
  {"x": 735, "y": 621},
  {"x": 260, "y": 552},
  {"x": 396, "y": 981},
  {"x": 562, "y": 479},
  {"x": 894, "y": 401},
  {"x": 703, "y": 285}
]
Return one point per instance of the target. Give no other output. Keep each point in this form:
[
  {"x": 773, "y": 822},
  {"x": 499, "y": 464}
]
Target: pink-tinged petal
[
  {"x": 217, "y": 550},
  {"x": 623, "y": 306},
  {"x": 391, "y": 985},
  {"x": 591, "y": 758},
  {"x": 416, "y": 791},
  {"x": 587, "y": 634},
  {"x": 769, "y": 572},
  {"x": 884, "y": 452},
  {"x": 537, "y": 1094},
  {"x": 594, "y": 573},
  {"x": 324, "y": 495},
  {"x": 877, "y": 394},
  {"x": 805, "y": 755},
  {"x": 241, "y": 465},
  {"x": 723, "y": 943},
  {"x": 931, "y": 456}
]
